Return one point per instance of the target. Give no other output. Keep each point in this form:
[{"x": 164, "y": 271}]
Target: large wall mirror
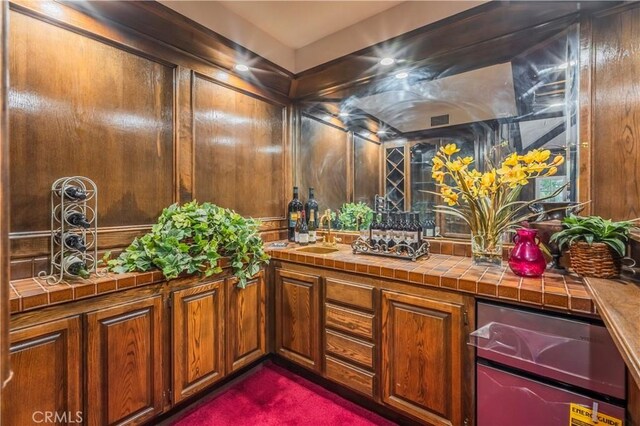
[{"x": 379, "y": 136}]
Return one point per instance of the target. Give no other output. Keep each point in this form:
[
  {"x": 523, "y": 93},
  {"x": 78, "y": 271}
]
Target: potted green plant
[
  {"x": 190, "y": 239},
  {"x": 355, "y": 216},
  {"x": 596, "y": 245}
]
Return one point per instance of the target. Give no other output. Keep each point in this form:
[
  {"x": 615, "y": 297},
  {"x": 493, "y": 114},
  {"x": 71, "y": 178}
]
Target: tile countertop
[{"x": 553, "y": 291}]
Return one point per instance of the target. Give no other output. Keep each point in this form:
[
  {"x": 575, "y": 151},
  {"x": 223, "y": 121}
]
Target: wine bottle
[
  {"x": 313, "y": 236},
  {"x": 382, "y": 229},
  {"x": 303, "y": 233},
  {"x": 75, "y": 193},
  {"x": 410, "y": 231},
  {"x": 296, "y": 235},
  {"x": 71, "y": 240},
  {"x": 311, "y": 208},
  {"x": 374, "y": 232},
  {"x": 390, "y": 227},
  {"x": 294, "y": 208},
  {"x": 76, "y": 218},
  {"x": 76, "y": 267}
]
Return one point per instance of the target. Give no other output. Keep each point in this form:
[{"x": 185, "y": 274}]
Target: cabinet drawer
[
  {"x": 360, "y": 296},
  {"x": 345, "y": 319},
  {"x": 350, "y": 348},
  {"x": 350, "y": 376}
]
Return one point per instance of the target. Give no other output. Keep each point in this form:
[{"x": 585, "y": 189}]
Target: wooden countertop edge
[{"x": 596, "y": 287}]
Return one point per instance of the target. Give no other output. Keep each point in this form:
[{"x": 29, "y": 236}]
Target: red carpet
[{"x": 274, "y": 396}]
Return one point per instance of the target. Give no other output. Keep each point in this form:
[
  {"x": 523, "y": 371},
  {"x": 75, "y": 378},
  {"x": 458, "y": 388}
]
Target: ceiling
[
  {"x": 298, "y": 35},
  {"x": 299, "y": 23}
]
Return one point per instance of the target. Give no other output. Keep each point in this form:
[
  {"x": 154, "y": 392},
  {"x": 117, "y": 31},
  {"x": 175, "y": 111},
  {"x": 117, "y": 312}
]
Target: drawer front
[
  {"x": 350, "y": 376},
  {"x": 350, "y": 321},
  {"x": 360, "y": 296},
  {"x": 350, "y": 348}
]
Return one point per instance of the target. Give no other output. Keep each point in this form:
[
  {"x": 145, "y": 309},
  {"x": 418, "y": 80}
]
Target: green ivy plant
[
  {"x": 356, "y": 216},
  {"x": 594, "y": 229},
  {"x": 191, "y": 239}
]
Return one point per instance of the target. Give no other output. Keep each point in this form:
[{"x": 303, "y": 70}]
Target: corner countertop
[
  {"x": 457, "y": 273},
  {"x": 618, "y": 303}
]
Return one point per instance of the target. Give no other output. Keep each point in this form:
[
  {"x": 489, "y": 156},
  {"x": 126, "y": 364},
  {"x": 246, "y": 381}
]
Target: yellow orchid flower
[
  {"x": 455, "y": 166},
  {"x": 529, "y": 157},
  {"x": 511, "y": 160},
  {"x": 558, "y": 160},
  {"x": 451, "y": 199},
  {"x": 552, "y": 171},
  {"x": 488, "y": 179},
  {"x": 467, "y": 160},
  {"x": 450, "y": 149},
  {"x": 542, "y": 156},
  {"x": 437, "y": 164},
  {"x": 438, "y": 176}
]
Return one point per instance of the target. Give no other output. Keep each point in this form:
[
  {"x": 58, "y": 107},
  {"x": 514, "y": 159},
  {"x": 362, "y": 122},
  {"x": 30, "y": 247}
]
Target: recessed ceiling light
[
  {"x": 387, "y": 61},
  {"x": 241, "y": 67},
  {"x": 381, "y": 132},
  {"x": 402, "y": 74}
]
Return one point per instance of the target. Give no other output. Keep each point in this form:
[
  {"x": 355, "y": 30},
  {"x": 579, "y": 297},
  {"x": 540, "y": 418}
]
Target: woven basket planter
[{"x": 596, "y": 260}]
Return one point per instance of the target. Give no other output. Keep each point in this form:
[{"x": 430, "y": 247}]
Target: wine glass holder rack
[
  {"x": 62, "y": 206},
  {"x": 398, "y": 251}
]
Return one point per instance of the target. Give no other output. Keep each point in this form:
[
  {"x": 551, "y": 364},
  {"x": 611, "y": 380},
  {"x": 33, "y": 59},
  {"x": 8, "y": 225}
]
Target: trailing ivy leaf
[{"x": 191, "y": 239}]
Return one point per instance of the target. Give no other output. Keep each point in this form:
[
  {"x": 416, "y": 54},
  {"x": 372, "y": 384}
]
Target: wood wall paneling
[
  {"x": 615, "y": 114},
  {"x": 95, "y": 111},
  {"x": 322, "y": 162},
  {"x": 367, "y": 170},
  {"x": 238, "y": 150}
]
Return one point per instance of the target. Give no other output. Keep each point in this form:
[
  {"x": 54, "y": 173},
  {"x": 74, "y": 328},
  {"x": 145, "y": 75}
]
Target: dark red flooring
[{"x": 274, "y": 396}]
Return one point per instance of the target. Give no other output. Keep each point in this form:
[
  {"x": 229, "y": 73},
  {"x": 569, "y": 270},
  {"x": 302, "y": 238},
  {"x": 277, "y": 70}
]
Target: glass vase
[
  {"x": 486, "y": 249},
  {"x": 526, "y": 258}
]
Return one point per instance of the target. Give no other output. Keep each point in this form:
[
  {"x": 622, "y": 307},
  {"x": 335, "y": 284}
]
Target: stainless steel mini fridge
[{"x": 535, "y": 369}]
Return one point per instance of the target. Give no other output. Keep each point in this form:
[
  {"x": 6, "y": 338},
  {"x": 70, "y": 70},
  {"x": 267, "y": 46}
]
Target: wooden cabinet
[
  {"x": 246, "y": 322},
  {"x": 124, "y": 363},
  {"x": 422, "y": 357},
  {"x": 350, "y": 335},
  {"x": 298, "y": 318},
  {"x": 198, "y": 338},
  {"x": 47, "y": 375}
]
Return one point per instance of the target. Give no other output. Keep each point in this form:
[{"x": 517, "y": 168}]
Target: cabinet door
[
  {"x": 246, "y": 322},
  {"x": 47, "y": 369},
  {"x": 124, "y": 363},
  {"x": 198, "y": 338},
  {"x": 298, "y": 318},
  {"x": 422, "y": 343}
]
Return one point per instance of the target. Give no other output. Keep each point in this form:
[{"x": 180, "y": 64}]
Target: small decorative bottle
[{"x": 526, "y": 259}]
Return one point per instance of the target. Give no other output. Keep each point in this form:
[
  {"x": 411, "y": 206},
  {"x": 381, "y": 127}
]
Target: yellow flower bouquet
[{"x": 488, "y": 202}]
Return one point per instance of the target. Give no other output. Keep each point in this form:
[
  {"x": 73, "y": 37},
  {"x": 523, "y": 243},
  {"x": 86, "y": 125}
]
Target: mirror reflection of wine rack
[{"x": 74, "y": 230}]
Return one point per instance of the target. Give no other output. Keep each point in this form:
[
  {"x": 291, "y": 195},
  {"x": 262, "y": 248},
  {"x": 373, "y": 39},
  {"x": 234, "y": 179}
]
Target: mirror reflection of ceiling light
[
  {"x": 365, "y": 134},
  {"x": 344, "y": 114},
  {"x": 387, "y": 61},
  {"x": 381, "y": 132},
  {"x": 327, "y": 117},
  {"x": 402, "y": 74},
  {"x": 241, "y": 68}
]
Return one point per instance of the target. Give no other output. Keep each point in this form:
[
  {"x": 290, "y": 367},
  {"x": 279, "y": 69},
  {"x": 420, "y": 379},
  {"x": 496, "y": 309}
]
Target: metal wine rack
[
  {"x": 399, "y": 251},
  {"x": 61, "y": 207}
]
